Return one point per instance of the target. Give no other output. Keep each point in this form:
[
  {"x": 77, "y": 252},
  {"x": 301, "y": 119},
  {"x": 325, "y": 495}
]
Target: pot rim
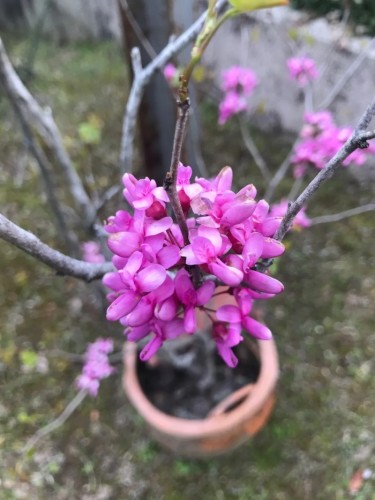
[{"x": 211, "y": 425}]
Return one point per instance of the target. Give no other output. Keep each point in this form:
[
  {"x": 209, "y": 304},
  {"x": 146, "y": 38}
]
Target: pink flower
[
  {"x": 240, "y": 80},
  {"x": 239, "y": 315},
  {"x": 170, "y": 72},
  {"x": 302, "y": 69},
  {"x": 231, "y": 104},
  {"x": 226, "y": 336},
  {"x": 96, "y": 366},
  {"x": 321, "y": 138},
  {"x": 191, "y": 297},
  {"x": 142, "y": 193},
  {"x": 161, "y": 282},
  {"x": 92, "y": 253}
]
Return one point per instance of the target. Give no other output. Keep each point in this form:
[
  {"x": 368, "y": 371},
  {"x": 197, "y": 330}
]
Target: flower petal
[
  {"x": 229, "y": 313},
  {"x": 113, "y": 281},
  {"x": 159, "y": 226},
  {"x": 227, "y": 274},
  {"x": 150, "y": 348},
  {"x": 190, "y": 322},
  {"x": 227, "y": 355},
  {"x": 124, "y": 243},
  {"x": 252, "y": 250},
  {"x": 261, "y": 282},
  {"x": 150, "y": 278},
  {"x": 141, "y": 314},
  {"x": 204, "y": 293},
  {"x": 272, "y": 248},
  {"x": 256, "y": 329},
  {"x": 122, "y": 306},
  {"x": 169, "y": 256}
]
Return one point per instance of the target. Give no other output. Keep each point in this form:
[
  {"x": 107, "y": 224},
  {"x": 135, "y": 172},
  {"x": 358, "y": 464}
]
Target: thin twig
[
  {"x": 63, "y": 230},
  {"x": 44, "y": 123},
  {"x": 280, "y": 173},
  {"x": 333, "y": 47},
  {"x": 137, "y": 30},
  {"x": 61, "y": 263},
  {"x": 254, "y": 152},
  {"x": 349, "y": 73},
  {"x": 170, "y": 182},
  {"x": 143, "y": 78},
  {"x": 323, "y": 219},
  {"x": 58, "y": 422}
]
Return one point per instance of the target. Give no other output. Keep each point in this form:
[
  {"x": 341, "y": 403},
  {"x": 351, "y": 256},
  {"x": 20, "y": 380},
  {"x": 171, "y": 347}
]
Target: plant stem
[{"x": 170, "y": 182}]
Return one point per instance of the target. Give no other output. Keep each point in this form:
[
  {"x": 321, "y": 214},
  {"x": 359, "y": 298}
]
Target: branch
[
  {"x": 64, "y": 265},
  {"x": 323, "y": 219},
  {"x": 137, "y": 29},
  {"x": 63, "y": 230},
  {"x": 43, "y": 121},
  {"x": 357, "y": 140},
  {"x": 58, "y": 422},
  {"x": 351, "y": 71},
  {"x": 280, "y": 173},
  {"x": 254, "y": 152},
  {"x": 142, "y": 79},
  {"x": 170, "y": 183}
]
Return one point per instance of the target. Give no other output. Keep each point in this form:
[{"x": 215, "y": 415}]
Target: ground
[{"x": 322, "y": 429}]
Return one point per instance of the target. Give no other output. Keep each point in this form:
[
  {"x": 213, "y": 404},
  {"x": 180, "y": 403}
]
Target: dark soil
[{"x": 185, "y": 393}]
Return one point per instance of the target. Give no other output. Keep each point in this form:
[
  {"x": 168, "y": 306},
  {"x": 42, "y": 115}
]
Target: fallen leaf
[{"x": 356, "y": 482}]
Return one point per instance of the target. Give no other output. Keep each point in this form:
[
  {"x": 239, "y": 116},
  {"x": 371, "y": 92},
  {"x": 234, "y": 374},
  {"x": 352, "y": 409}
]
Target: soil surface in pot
[{"x": 192, "y": 392}]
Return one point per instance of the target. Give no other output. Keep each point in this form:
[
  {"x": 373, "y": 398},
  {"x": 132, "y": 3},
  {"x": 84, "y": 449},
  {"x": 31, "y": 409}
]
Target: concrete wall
[
  {"x": 265, "y": 40},
  {"x": 64, "y": 19}
]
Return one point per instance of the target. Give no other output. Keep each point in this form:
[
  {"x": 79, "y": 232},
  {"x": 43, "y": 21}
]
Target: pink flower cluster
[
  {"x": 301, "y": 220},
  {"x": 237, "y": 84},
  {"x": 163, "y": 285},
  {"x": 321, "y": 138},
  {"x": 302, "y": 69},
  {"x": 91, "y": 252},
  {"x": 96, "y": 366}
]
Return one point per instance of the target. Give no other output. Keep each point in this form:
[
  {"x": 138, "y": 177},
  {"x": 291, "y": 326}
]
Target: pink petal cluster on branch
[
  {"x": 302, "y": 69},
  {"x": 238, "y": 83},
  {"x": 96, "y": 366},
  {"x": 321, "y": 138},
  {"x": 154, "y": 288}
]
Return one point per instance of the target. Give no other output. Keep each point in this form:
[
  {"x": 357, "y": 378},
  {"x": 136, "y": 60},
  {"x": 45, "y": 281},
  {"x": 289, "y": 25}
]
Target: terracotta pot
[{"x": 229, "y": 424}]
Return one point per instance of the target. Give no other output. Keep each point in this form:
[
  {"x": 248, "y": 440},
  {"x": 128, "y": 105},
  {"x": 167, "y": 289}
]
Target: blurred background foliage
[{"x": 361, "y": 12}]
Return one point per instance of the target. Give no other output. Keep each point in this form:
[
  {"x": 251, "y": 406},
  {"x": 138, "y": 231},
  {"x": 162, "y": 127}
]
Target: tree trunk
[{"x": 157, "y": 114}]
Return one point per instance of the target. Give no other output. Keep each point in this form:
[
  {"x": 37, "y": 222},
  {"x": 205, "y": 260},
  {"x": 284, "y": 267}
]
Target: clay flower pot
[{"x": 229, "y": 424}]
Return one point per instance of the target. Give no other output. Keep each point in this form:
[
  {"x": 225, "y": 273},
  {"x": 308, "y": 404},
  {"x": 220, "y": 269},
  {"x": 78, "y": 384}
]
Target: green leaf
[
  {"x": 29, "y": 358},
  {"x": 248, "y": 5}
]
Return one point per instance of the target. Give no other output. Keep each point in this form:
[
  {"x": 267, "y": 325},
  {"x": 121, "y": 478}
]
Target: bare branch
[
  {"x": 143, "y": 78},
  {"x": 170, "y": 182},
  {"x": 43, "y": 121},
  {"x": 254, "y": 152},
  {"x": 58, "y": 422},
  {"x": 280, "y": 173},
  {"x": 323, "y": 219},
  {"x": 137, "y": 29},
  {"x": 67, "y": 235},
  {"x": 61, "y": 263},
  {"x": 349, "y": 73},
  {"x": 357, "y": 140}
]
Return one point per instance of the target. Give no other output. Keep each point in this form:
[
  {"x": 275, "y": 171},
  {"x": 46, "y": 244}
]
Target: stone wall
[
  {"x": 268, "y": 38},
  {"x": 63, "y": 19}
]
